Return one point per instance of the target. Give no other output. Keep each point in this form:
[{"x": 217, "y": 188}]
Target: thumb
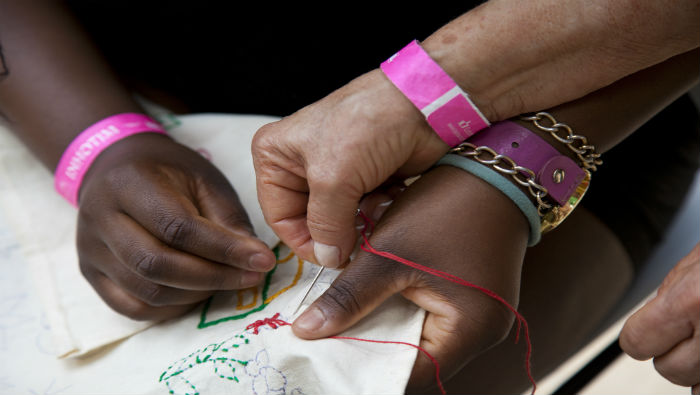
[
  {"x": 357, "y": 291},
  {"x": 330, "y": 217},
  {"x": 665, "y": 321}
]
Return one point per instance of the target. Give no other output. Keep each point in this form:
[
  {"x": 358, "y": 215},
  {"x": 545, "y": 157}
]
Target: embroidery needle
[{"x": 313, "y": 282}]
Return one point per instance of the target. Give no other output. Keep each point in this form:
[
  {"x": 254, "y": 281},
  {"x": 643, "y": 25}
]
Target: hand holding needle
[{"x": 313, "y": 282}]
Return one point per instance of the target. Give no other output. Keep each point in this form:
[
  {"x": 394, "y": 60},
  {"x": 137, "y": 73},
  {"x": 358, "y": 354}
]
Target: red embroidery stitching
[{"x": 273, "y": 322}]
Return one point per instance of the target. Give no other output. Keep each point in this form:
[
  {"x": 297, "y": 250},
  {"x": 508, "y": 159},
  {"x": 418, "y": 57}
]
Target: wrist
[
  {"x": 385, "y": 105},
  {"x": 484, "y": 64},
  {"x": 80, "y": 155},
  {"x": 509, "y": 156},
  {"x": 445, "y": 105},
  {"x": 486, "y": 207},
  {"x": 130, "y": 150}
]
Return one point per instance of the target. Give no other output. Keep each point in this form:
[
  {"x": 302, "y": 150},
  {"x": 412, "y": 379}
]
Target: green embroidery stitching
[
  {"x": 209, "y": 354},
  {"x": 203, "y": 323}
]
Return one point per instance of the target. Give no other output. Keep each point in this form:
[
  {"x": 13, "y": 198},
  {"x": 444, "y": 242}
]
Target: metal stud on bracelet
[{"x": 555, "y": 182}]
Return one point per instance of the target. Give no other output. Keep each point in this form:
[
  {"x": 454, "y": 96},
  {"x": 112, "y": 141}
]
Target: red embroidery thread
[
  {"x": 522, "y": 323},
  {"x": 274, "y": 322}
]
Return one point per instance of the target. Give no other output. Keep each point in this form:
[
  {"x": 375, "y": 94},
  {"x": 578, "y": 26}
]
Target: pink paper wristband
[
  {"x": 80, "y": 154},
  {"x": 447, "y": 108}
]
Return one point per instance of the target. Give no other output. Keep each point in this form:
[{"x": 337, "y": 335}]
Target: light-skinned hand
[
  {"x": 667, "y": 328},
  {"x": 315, "y": 166}
]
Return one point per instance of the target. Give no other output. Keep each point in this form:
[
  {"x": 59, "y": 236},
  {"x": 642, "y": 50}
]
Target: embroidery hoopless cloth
[{"x": 208, "y": 350}]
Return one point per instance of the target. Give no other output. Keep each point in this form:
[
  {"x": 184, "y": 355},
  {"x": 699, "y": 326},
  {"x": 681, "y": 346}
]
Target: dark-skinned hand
[
  {"x": 160, "y": 229},
  {"x": 447, "y": 220}
]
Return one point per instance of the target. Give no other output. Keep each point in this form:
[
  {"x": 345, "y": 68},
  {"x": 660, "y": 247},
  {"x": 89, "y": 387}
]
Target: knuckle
[
  {"x": 175, "y": 230},
  {"x": 633, "y": 342},
  {"x": 231, "y": 252},
  {"x": 341, "y": 297},
  {"x": 262, "y": 140},
  {"x": 258, "y": 140},
  {"x": 154, "y": 295},
  {"x": 239, "y": 219},
  {"x": 320, "y": 223},
  {"x": 148, "y": 265}
]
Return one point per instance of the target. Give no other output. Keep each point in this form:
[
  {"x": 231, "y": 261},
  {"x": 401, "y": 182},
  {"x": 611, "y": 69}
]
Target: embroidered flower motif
[{"x": 267, "y": 380}]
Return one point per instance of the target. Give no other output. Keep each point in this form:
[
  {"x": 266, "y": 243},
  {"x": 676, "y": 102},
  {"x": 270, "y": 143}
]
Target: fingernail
[
  {"x": 328, "y": 256},
  {"x": 261, "y": 262},
  {"x": 251, "y": 278},
  {"x": 312, "y": 320},
  {"x": 381, "y": 208}
]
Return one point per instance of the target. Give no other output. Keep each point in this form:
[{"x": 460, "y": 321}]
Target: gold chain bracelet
[
  {"x": 586, "y": 153},
  {"x": 503, "y": 164}
]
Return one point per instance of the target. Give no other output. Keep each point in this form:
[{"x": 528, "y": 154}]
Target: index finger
[
  {"x": 283, "y": 198},
  {"x": 156, "y": 262},
  {"x": 176, "y": 221}
]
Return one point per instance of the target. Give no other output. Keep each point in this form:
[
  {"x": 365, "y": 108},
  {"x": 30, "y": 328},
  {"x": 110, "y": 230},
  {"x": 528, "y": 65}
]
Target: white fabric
[{"x": 47, "y": 309}]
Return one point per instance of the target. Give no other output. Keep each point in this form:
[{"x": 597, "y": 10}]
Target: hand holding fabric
[
  {"x": 451, "y": 221},
  {"x": 160, "y": 229}
]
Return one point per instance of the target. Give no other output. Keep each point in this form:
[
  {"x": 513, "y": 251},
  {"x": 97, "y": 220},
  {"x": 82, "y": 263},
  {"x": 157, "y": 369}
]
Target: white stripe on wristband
[{"x": 447, "y": 108}]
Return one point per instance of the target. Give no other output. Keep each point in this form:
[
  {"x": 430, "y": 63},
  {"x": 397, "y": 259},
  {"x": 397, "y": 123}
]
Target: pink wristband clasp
[
  {"x": 82, "y": 151},
  {"x": 447, "y": 108}
]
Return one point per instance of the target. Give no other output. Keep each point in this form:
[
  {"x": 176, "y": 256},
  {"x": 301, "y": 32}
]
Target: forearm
[
  {"x": 609, "y": 115},
  {"x": 515, "y": 57},
  {"x": 56, "y": 84}
]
